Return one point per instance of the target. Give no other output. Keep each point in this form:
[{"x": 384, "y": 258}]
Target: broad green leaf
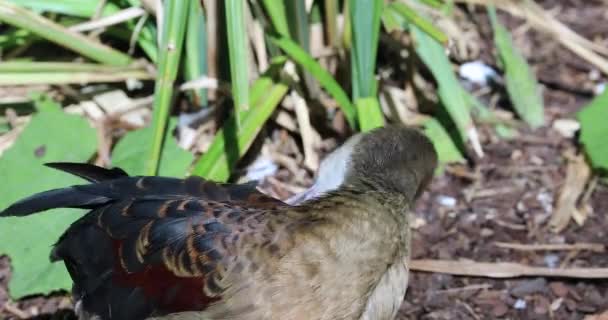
[
  {"x": 129, "y": 150},
  {"x": 450, "y": 91},
  {"x": 326, "y": 80},
  {"x": 447, "y": 151},
  {"x": 521, "y": 83},
  {"x": 594, "y": 131},
  {"x": 369, "y": 113},
  {"x": 50, "y": 136}
]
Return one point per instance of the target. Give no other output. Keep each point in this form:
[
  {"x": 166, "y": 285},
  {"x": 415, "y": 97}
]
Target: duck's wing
[{"x": 153, "y": 245}]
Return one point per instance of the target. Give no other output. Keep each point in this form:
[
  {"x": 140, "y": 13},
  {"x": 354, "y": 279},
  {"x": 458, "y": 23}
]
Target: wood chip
[
  {"x": 577, "y": 175},
  {"x": 503, "y": 269}
]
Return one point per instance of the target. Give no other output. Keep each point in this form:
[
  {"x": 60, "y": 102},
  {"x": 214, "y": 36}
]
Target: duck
[{"x": 150, "y": 247}]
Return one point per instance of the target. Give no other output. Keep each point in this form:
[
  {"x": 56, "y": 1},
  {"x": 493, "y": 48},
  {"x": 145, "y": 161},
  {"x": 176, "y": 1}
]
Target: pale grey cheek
[{"x": 332, "y": 172}]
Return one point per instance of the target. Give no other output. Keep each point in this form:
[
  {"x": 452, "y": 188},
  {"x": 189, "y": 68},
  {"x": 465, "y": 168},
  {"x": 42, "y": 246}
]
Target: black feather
[{"x": 87, "y": 171}]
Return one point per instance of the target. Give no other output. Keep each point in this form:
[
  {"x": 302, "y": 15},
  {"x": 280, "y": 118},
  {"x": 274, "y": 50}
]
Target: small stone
[
  {"x": 566, "y": 127},
  {"x": 446, "y": 201},
  {"x": 520, "y": 304}
]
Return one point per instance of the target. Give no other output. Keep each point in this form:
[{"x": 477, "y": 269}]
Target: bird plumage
[{"x": 190, "y": 248}]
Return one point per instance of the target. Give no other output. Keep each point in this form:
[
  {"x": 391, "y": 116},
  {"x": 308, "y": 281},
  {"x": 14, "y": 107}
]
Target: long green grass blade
[
  {"x": 45, "y": 28},
  {"x": 79, "y": 8},
  {"x": 450, "y": 91},
  {"x": 447, "y": 151},
  {"x": 300, "y": 33},
  {"x": 369, "y": 114},
  {"x": 365, "y": 18},
  {"x": 230, "y": 143},
  {"x": 87, "y": 8},
  {"x": 70, "y": 77},
  {"x": 325, "y": 79},
  {"x": 521, "y": 82},
  {"x": 176, "y": 13},
  {"x": 365, "y": 24},
  {"x": 30, "y": 66},
  {"x": 276, "y": 11},
  {"x": 421, "y": 22},
  {"x": 237, "y": 50},
  {"x": 196, "y": 50}
]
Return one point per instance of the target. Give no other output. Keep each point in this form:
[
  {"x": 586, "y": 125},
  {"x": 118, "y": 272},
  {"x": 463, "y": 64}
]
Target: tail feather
[
  {"x": 70, "y": 197},
  {"x": 88, "y": 172},
  {"x": 58, "y": 198}
]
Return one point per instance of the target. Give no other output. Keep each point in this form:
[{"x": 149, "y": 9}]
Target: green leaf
[
  {"x": 48, "y": 29},
  {"x": 50, "y": 136},
  {"x": 450, "y": 91},
  {"x": 229, "y": 145},
  {"x": 196, "y": 50},
  {"x": 174, "y": 29},
  {"x": 237, "y": 51},
  {"x": 278, "y": 17},
  {"x": 369, "y": 113},
  {"x": 447, "y": 151},
  {"x": 326, "y": 80},
  {"x": 521, "y": 82},
  {"x": 79, "y": 8},
  {"x": 421, "y": 22},
  {"x": 594, "y": 131},
  {"x": 127, "y": 153},
  {"x": 365, "y": 25}
]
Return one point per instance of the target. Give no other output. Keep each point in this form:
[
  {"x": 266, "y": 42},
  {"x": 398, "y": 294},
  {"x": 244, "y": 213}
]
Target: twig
[
  {"x": 472, "y": 287},
  {"x": 309, "y": 136},
  {"x": 596, "y": 247},
  {"x": 10, "y": 308},
  {"x": 503, "y": 269}
]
